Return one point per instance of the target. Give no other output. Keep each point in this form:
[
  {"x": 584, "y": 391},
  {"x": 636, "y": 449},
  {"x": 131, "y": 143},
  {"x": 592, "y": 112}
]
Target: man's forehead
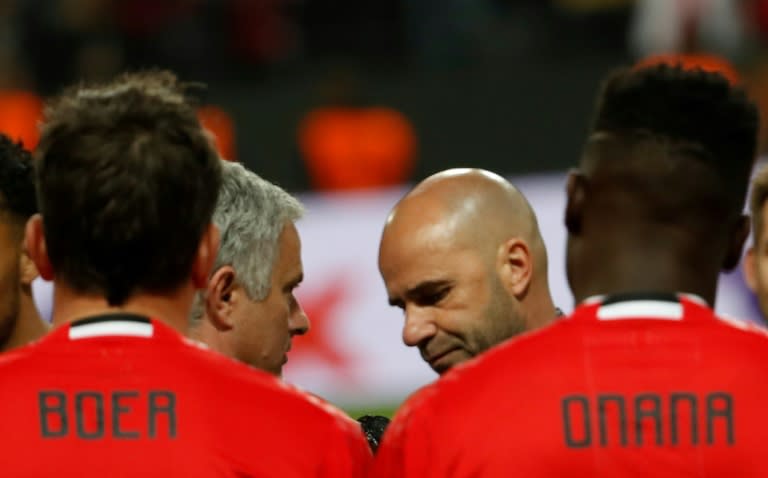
[
  {"x": 415, "y": 263},
  {"x": 288, "y": 256},
  {"x": 413, "y": 214},
  {"x": 424, "y": 215},
  {"x": 419, "y": 240},
  {"x": 417, "y": 278}
]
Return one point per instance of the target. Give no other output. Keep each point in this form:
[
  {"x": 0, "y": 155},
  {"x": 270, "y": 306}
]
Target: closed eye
[
  {"x": 425, "y": 294},
  {"x": 430, "y": 298}
]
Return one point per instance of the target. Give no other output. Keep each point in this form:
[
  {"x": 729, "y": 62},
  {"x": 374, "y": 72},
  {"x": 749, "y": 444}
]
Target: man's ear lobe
[
  {"x": 34, "y": 243},
  {"x": 28, "y": 269},
  {"x": 575, "y": 194},
  {"x": 219, "y": 298},
  {"x": 748, "y": 269}
]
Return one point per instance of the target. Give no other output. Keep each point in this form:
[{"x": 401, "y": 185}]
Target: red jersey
[
  {"x": 121, "y": 395},
  {"x": 632, "y": 386}
]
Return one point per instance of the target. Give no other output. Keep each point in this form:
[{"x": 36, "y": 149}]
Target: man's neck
[
  {"x": 171, "y": 308},
  {"x": 645, "y": 279},
  {"x": 203, "y": 331},
  {"x": 623, "y": 257},
  {"x": 29, "y": 325},
  {"x": 542, "y": 315}
]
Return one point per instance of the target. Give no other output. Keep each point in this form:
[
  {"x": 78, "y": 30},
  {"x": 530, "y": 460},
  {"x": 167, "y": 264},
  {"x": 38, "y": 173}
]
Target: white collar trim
[
  {"x": 111, "y": 328},
  {"x": 645, "y": 309}
]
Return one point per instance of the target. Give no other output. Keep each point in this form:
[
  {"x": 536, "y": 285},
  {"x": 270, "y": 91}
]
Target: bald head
[
  {"x": 462, "y": 255},
  {"x": 472, "y": 207}
]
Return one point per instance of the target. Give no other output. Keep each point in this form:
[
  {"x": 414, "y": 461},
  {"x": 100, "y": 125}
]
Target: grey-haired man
[{"x": 249, "y": 310}]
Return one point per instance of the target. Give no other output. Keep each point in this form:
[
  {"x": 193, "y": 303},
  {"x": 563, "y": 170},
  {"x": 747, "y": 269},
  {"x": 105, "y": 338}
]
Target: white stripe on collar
[
  {"x": 111, "y": 328},
  {"x": 593, "y": 299},
  {"x": 693, "y": 298},
  {"x": 641, "y": 309}
]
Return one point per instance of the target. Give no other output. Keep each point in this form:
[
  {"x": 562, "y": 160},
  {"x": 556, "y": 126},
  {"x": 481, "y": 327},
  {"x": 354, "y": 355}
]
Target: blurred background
[{"x": 347, "y": 102}]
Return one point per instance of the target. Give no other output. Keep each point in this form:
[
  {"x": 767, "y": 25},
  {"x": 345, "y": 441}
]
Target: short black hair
[
  {"x": 17, "y": 181},
  {"x": 127, "y": 183},
  {"x": 699, "y": 113}
]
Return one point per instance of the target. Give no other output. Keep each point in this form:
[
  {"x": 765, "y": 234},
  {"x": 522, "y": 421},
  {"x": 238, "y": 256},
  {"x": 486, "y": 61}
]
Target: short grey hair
[{"x": 250, "y": 213}]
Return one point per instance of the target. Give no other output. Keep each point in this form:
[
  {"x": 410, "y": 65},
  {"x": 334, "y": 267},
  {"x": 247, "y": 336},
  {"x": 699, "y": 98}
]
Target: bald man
[{"x": 462, "y": 255}]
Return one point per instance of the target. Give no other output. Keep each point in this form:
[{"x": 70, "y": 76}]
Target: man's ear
[
  {"x": 205, "y": 257},
  {"x": 515, "y": 266},
  {"x": 28, "y": 269},
  {"x": 218, "y": 298},
  {"x": 748, "y": 269},
  {"x": 34, "y": 243},
  {"x": 738, "y": 236},
  {"x": 574, "y": 209}
]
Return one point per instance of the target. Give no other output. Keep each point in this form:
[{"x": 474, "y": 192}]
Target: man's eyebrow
[
  {"x": 421, "y": 288},
  {"x": 295, "y": 281}
]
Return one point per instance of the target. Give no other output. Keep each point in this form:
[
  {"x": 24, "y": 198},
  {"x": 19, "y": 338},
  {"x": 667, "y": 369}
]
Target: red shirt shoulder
[
  {"x": 185, "y": 410},
  {"x": 559, "y": 401}
]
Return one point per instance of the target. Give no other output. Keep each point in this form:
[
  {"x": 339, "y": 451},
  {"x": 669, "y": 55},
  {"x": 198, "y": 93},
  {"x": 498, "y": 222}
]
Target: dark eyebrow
[{"x": 422, "y": 288}]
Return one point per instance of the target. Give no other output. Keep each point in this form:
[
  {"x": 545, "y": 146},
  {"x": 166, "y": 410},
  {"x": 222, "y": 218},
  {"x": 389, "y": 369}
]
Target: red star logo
[{"x": 319, "y": 345}]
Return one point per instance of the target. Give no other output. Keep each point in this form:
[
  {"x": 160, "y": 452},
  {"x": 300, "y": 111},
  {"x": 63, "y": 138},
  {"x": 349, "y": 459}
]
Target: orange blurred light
[
  {"x": 20, "y": 113},
  {"x": 222, "y": 127},
  {"x": 354, "y": 148}
]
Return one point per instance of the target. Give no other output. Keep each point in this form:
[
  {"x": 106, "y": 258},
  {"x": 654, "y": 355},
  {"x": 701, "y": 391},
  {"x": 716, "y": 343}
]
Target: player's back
[
  {"x": 125, "y": 396},
  {"x": 603, "y": 393}
]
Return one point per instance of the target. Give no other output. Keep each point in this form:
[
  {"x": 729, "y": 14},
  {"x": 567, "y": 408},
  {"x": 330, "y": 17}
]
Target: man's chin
[
  {"x": 447, "y": 361},
  {"x": 272, "y": 369}
]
